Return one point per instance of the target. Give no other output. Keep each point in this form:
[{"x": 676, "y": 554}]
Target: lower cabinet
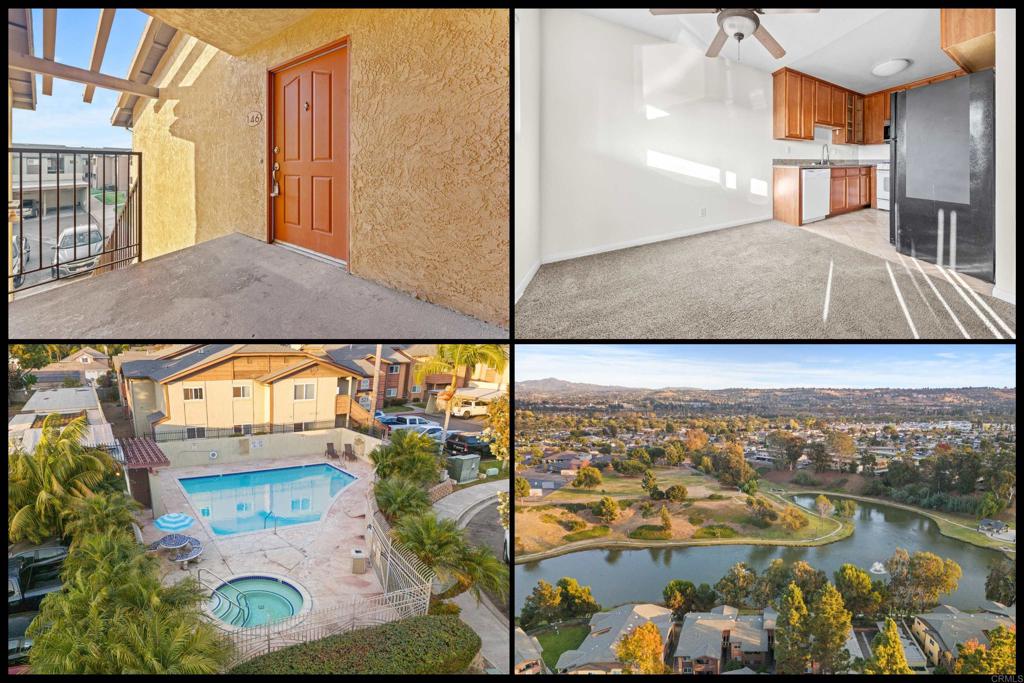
[
  {"x": 850, "y": 189},
  {"x": 837, "y": 201}
]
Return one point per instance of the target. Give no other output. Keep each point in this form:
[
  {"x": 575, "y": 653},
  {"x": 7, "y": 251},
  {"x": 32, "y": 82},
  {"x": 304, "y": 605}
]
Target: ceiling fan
[{"x": 739, "y": 23}]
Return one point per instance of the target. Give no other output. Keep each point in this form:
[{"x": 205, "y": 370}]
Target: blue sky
[
  {"x": 720, "y": 366},
  {"x": 63, "y": 118}
]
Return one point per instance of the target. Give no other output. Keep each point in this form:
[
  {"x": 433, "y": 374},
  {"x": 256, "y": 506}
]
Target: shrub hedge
[
  {"x": 715, "y": 531},
  {"x": 417, "y": 645},
  {"x": 650, "y": 532},
  {"x": 593, "y": 532}
]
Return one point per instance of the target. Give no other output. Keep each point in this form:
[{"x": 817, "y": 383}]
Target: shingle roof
[
  {"x": 701, "y": 633},
  {"x": 527, "y": 647},
  {"x": 954, "y": 626},
  {"x": 142, "y": 452},
  {"x": 607, "y": 627},
  {"x": 159, "y": 369}
]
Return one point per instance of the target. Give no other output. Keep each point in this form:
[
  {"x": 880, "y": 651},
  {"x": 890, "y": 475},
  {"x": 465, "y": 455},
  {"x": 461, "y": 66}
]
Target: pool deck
[{"x": 315, "y": 555}]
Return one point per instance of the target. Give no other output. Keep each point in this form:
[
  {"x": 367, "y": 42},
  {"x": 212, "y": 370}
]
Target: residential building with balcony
[
  {"x": 710, "y": 640},
  {"x": 940, "y": 630},
  {"x": 596, "y": 654}
]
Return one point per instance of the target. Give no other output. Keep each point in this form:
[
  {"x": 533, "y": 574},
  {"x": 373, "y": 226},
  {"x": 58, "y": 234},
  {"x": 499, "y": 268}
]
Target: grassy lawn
[
  {"x": 554, "y": 642},
  {"x": 397, "y": 409},
  {"x": 109, "y": 196},
  {"x": 496, "y": 477},
  {"x": 617, "y": 486}
]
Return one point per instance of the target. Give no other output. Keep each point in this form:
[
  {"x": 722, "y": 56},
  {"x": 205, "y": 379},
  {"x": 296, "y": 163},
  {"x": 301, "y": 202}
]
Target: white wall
[
  {"x": 1006, "y": 155},
  {"x": 527, "y": 149},
  {"x": 617, "y": 173},
  {"x": 874, "y": 152}
]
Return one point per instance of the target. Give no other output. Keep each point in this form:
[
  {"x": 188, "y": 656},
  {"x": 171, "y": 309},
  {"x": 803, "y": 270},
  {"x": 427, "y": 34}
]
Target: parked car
[
  {"x": 467, "y": 443},
  {"x": 18, "y": 248},
  {"x": 17, "y": 644},
  {"x": 470, "y": 408},
  {"x": 406, "y": 421},
  {"x": 29, "y": 209},
  {"x": 78, "y": 250},
  {"x": 33, "y": 572},
  {"x": 435, "y": 432},
  {"x": 379, "y": 415}
]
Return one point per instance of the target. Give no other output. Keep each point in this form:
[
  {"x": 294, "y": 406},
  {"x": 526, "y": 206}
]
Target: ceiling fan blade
[
  {"x": 769, "y": 42},
  {"x": 789, "y": 11},
  {"x": 657, "y": 12},
  {"x": 717, "y": 43}
]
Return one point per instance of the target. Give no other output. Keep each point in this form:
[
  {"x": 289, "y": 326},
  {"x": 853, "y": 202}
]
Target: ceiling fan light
[
  {"x": 738, "y": 24},
  {"x": 890, "y": 67}
]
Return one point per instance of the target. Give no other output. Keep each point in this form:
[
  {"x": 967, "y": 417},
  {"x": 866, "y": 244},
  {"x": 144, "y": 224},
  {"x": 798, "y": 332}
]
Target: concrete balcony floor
[{"x": 234, "y": 287}]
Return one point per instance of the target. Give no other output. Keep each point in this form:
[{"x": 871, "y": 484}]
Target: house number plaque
[{"x": 254, "y": 118}]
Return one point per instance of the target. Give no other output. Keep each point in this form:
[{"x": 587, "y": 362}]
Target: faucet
[{"x": 824, "y": 154}]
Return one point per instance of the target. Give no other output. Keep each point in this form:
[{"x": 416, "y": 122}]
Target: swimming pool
[
  {"x": 265, "y": 499},
  {"x": 259, "y": 600}
]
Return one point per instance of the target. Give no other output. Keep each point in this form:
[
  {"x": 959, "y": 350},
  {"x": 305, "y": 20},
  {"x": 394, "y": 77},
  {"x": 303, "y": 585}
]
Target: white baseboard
[
  {"x": 1005, "y": 295},
  {"x": 525, "y": 282},
  {"x": 566, "y": 255}
]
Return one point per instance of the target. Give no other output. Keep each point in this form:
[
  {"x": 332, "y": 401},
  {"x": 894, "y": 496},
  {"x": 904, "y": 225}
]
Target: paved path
[{"x": 493, "y": 632}]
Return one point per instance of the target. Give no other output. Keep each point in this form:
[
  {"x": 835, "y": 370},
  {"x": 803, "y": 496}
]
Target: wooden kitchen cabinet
[
  {"x": 790, "y": 114},
  {"x": 968, "y": 36},
  {"x": 887, "y": 104},
  {"x": 822, "y": 103},
  {"x": 865, "y": 190},
  {"x": 852, "y": 191},
  {"x": 858, "y": 119},
  {"x": 838, "y": 107},
  {"x": 837, "y": 195},
  {"x": 806, "y": 108},
  {"x": 874, "y": 117}
]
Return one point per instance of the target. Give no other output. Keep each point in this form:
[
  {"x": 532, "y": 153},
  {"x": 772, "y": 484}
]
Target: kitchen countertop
[{"x": 838, "y": 163}]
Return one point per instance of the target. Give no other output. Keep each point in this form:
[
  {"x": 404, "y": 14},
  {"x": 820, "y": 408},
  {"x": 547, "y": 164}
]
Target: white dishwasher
[{"x": 816, "y": 184}]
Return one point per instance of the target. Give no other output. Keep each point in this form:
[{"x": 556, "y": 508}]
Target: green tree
[
  {"x": 916, "y": 581},
  {"x": 771, "y": 584},
  {"x": 887, "y": 652},
  {"x": 990, "y": 506},
  {"x": 398, "y": 497},
  {"x": 666, "y": 518},
  {"x": 819, "y": 456},
  {"x": 794, "y": 448},
  {"x": 675, "y": 453},
  {"x": 859, "y": 596},
  {"x": 680, "y": 597},
  {"x": 841, "y": 445},
  {"x": 409, "y": 455},
  {"x": 576, "y": 600},
  {"x": 650, "y": 481},
  {"x": 522, "y": 487},
  {"x": 451, "y": 359},
  {"x": 640, "y": 651},
  {"x": 737, "y": 584},
  {"x": 706, "y": 466},
  {"x": 543, "y": 605},
  {"x": 607, "y": 509},
  {"x": 587, "y": 478},
  {"x": 676, "y": 493},
  {"x": 750, "y": 488},
  {"x": 641, "y": 455},
  {"x": 793, "y": 519},
  {"x": 100, "y": 513},
  {"x": 809, "y": 579},
  {"x": 705, "y": 598},
  {"x": 830, "y": 626},
  {"x": 43, "y": 485},
  {"x": 846, "y": 508},
  {"x": 792, "y": 633},
  {"x": 1001, "y": 583},
  {"x": 497, "y": 432},
  {"x": 114, "y": 616},
  {"x": 1000, "y": 657}
]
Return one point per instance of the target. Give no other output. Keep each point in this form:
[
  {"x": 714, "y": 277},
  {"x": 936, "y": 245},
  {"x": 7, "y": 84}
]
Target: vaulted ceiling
[{"x": 837, "y": 45}]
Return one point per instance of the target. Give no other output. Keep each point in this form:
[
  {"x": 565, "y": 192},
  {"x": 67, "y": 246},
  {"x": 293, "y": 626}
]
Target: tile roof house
[
  {"x": 528, "y": 659},
  {"x": 596, "y": 654},
  {"x": 940, "y": 630},
  {"x": 85, "y": 365},
  {"x": 709, "y": 640}
]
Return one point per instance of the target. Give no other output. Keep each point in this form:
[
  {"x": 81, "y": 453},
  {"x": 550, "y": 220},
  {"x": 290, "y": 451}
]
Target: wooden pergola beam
[
  {"x": 49, "y": 44},
  {"x": 23, "y": 62},
  {"x": 99, "y": 47}
]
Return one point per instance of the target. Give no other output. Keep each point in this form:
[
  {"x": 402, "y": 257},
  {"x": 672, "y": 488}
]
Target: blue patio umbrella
[{"x": 174, "y": 521}]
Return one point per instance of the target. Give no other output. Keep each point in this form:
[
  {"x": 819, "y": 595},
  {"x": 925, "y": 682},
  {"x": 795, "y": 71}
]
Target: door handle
[{"x": 274, "y": 190}]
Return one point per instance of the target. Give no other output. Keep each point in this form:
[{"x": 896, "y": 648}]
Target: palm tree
[
  {"x": 441, "y": 545},
  {"x": 398, "y": 497},
  {"x": 409, "y": 455},
  {"x": 100, "y": 513},
  {"x": 43, "y": 484},
  {"x": 450, "y": 358},
  {"x": 114, "y": 616}
]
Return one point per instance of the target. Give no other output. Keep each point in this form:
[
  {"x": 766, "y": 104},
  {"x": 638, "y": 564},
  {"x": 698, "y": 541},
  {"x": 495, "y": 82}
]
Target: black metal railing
[
  {"x": 55, "y": 250},
  {"x": 187, "y": 433}
]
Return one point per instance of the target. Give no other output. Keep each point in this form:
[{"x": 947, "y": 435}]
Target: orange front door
[{"x": 310, "y": 146}]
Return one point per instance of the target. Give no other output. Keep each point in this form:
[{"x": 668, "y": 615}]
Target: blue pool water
[{"x": 253, "y": 501}]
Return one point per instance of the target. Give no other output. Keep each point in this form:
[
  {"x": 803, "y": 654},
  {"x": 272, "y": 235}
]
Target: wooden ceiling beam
[
  {"x": 49, "y": 44},
  {"x": 99, "y": 47},
  {"x": 23, "y": 62}
]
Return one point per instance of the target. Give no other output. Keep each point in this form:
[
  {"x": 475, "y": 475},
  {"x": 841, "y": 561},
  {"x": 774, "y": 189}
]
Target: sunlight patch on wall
[
  {"x": 730, "y": 180},
  {"x": 667, "y": 162},
  {"x": 758, "y": 187}
]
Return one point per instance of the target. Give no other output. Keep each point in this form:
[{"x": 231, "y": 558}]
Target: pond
[{"x": 618, "y": 576}]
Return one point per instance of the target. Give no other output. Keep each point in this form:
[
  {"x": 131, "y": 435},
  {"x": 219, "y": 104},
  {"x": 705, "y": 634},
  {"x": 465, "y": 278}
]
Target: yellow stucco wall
[{"x": 429, "y": 135}]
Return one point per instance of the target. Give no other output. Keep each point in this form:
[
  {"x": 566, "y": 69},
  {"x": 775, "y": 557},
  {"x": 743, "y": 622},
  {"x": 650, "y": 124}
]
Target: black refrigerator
[{"x": 942, "y": 156}]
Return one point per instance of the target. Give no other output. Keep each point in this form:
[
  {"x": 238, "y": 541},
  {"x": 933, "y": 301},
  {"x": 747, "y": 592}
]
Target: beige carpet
[{"x": 765, "y": 280}]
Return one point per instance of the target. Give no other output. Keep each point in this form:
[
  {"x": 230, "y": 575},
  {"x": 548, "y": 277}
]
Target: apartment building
[
  {"x": 240, "y": 389},
  {"x": 710, "y": 640},
  {"x": 86, "y": 365},
  {"x": 940, "y": 630},
  {"x": 38, "y": 176},
  {"x": 596, "y": 654},
  {"x": 25, "y": 429}
]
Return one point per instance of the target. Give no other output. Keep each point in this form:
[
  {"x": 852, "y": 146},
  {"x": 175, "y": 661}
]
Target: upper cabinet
[
  {"x": 874, "y": 122},
  {"x": 822, "y": 103},
  {"x": 968, "y": 36},
  {"x": 791, "y": 115},
  {"x": 838, "y": 107},
  {"x": 806, "y": 108}
]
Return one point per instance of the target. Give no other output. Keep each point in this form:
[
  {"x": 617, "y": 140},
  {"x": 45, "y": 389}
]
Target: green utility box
[{"x": 463, "y": 468}]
